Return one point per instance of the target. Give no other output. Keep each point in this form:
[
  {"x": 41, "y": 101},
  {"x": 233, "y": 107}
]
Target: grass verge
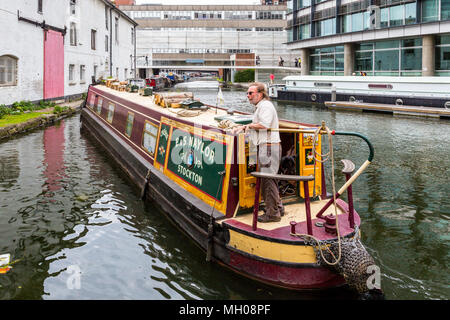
[{"x": 18, "y": 118}]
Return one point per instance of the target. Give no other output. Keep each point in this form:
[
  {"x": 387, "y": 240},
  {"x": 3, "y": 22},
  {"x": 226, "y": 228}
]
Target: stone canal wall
[{"x": 46, "y": 119}]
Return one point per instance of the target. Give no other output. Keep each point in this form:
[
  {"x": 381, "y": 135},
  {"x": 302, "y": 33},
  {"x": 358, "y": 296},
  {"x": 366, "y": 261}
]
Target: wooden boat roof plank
[{"x": 204, "y": 117}]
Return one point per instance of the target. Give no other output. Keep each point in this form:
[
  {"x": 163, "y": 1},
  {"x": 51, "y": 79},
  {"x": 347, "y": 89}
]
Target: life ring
[
  {"x": 352, "y": 99},
  {"x": 447, "y": 105},
  {"x": 313, "y": 97},
  {"x": 399, "y": 102}
]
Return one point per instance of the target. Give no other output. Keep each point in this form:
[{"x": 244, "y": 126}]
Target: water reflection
[{"x": 402, "y": 197}]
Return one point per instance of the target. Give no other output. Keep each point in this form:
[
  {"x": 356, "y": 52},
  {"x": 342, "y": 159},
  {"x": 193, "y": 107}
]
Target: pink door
[{"x": 53, "y": 64}]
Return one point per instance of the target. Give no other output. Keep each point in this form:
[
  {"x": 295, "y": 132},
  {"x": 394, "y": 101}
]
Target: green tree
[{"x": 247, "y": 75}]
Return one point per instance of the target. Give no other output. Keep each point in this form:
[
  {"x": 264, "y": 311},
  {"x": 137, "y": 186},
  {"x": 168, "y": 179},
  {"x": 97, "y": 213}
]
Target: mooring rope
[{"x": 322, "y": 159}]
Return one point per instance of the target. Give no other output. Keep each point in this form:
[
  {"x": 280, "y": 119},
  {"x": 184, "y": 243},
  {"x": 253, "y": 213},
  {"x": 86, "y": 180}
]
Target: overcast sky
[{"x": 199, "y": 1}]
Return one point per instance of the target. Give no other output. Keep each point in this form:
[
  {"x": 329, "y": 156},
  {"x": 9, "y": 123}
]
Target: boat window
[
  {"x": 379, "y": 86},
  {"x": 129, "y": 126},
  {"x": 323, "y": 84},
  {"x": 99, "y": 105},
  {"x": 110, "y": 116},
  {"x": 149, "y": 137},
  {"x": 91, "y": 103}
]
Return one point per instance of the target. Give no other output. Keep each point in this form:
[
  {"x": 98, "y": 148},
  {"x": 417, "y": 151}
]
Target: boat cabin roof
[
  {"x": 205, "y": 117},
  {"x": 209, "y": 117}
]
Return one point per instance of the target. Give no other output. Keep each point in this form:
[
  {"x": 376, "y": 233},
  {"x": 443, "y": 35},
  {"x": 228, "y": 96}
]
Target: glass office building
[
  {"x": 172, "y": 35},
  {"x": 377, "y": 37}
]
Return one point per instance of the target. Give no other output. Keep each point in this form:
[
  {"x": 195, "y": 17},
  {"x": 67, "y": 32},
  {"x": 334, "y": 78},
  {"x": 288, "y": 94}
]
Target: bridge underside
[{"x": 262, "y": 73}]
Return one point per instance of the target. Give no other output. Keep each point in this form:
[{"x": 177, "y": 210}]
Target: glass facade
[
  {"x": 327, "y": 61},
  {"x": 325, "y": 27},
  {"x": 399, "y": 57},
  {"x": 390, "y": 58},
  {"x": 355, "y": 22},
  {"x": 430, "y": 10},
  {"x": 206, "y": 15},
  {"x": 442, "y": 55},
  {"x": 303, "y": 3},
  {"x": 445, "y": 9}
]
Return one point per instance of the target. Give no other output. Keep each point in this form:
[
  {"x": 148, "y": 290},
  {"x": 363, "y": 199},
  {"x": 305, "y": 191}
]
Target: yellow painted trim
[{"x": 272, "y": 250}]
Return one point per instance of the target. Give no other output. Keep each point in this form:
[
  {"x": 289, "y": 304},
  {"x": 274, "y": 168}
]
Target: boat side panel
[
  {"x": 143, "y": 115},
  {"x": 120, "y": 118},
  {"x": 130, "y": 161},
  {"x": 300, "y": 278}
]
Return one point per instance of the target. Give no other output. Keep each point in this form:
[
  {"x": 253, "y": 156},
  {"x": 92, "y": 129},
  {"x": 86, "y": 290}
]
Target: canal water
[{"x": 76, "y": 229}]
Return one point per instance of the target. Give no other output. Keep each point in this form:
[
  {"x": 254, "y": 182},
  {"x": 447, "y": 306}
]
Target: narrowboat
[
  {"x": 189, "y": 163},
  {"x": 412, "y": 91}
]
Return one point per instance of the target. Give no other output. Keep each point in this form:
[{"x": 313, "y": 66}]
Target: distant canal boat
[
  {"x": 412, "y": 91},
  {"x": 202, "y": 176}
]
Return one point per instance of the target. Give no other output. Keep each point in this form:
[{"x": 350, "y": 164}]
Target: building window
[
  {"x": 304, "y": 3},
  {"x": 325, "y": 27},
  {"x": 442, "y": 55},
  {"x": 73, "y": 34},
  {"x": 95, "y": 71},
  {"x": 93, "y": 37},
  {"x": 396, "y": 15},
  {"x": 73, "y": 5},
  {"x": 430, "y": 10},
  {"x": 327, "y": 61},
  {"x": 445, "y": 9},
  {"x": 125, "y": 72},
  {"x": 106, "y": 18},
  {"x": 39, "y": 9},
  {"x": 8, "y": 71},
  {"x": 410, "y": 13},
  {"x": 71, "y": 72},
  {"x": 390, "y": 58},
  {"x": 305, "y": 31},
  {"x": 82, "y": 73},
  {"x": 116, "y": 29},
  {"x": 106, "y": 43}
]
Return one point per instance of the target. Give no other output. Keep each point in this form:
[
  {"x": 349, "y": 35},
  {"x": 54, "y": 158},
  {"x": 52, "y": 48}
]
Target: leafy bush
[
  {"x": 4, "y": 110},
  {"x": 247, "y": 75},
  {"x": 25, "y": 106},
  {"x": 59, "y": 109}
]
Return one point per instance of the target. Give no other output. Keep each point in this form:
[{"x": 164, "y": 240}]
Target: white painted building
[{"x": 52, "y": 49}]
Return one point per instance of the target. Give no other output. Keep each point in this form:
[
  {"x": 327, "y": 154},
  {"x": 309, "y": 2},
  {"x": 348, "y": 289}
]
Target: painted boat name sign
[{"x": 197, "y": 158}]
